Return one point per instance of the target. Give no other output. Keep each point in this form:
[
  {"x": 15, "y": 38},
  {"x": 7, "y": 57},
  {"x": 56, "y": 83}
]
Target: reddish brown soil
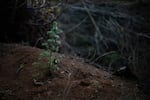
[{"x": 75, "y": 80}]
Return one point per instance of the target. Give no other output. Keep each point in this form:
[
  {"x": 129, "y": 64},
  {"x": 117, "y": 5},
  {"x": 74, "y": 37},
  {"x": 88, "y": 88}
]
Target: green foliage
[
  {"x": 53, "y": 42},
  {"x": 52, "y": 45}
]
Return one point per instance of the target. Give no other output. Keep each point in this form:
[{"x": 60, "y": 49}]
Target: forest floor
[{"x": 75, "y": 80}]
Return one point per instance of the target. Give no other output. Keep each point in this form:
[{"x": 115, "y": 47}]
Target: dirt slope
[{"x": 75, "y": 80}]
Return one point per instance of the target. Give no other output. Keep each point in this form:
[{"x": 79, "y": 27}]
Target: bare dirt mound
[{"x": 75, "y": 80}]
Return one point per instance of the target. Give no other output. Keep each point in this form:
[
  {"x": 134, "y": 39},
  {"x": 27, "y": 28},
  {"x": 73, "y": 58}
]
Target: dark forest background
[{"x": 111, "y": 35}]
